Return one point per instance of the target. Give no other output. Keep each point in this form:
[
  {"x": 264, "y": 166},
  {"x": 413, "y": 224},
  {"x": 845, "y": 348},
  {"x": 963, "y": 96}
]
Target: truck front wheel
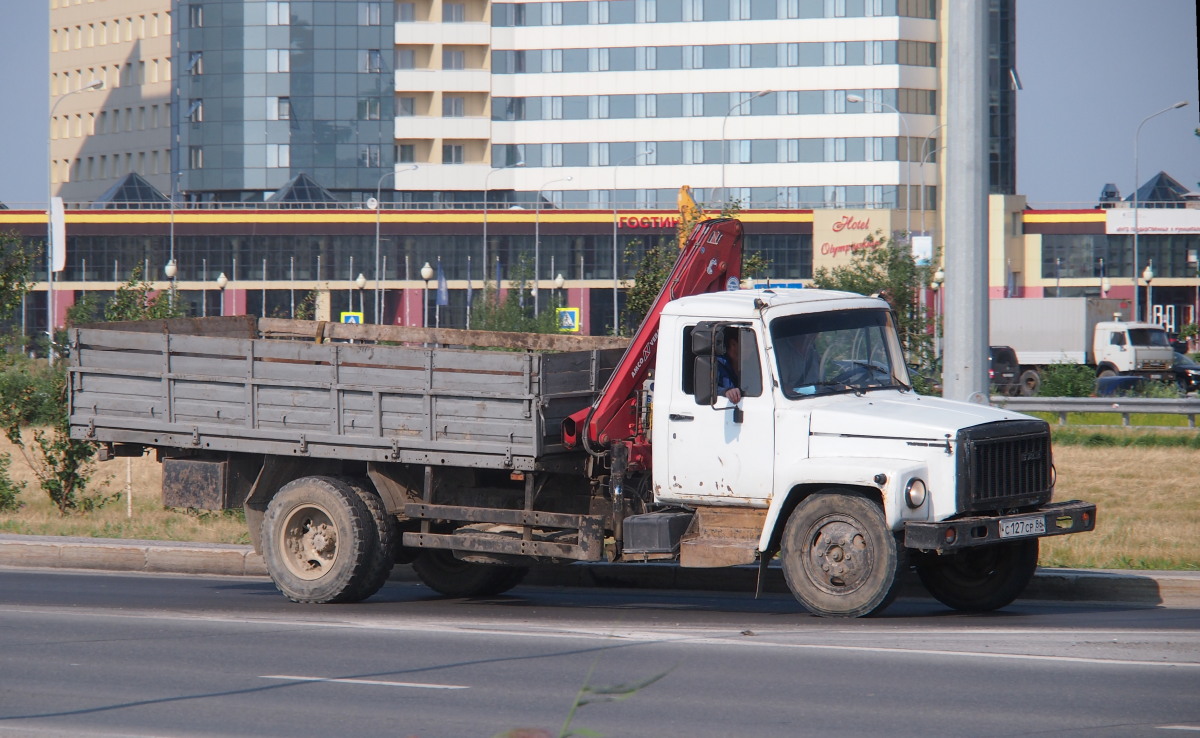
[
  {"x": 980, "y": 579},
  {"x": 319, "y": 542},
  {"x": 443, "y": 573},
  {"x": 839, "y": 558}
]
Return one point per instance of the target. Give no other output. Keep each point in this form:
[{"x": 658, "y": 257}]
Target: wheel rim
[
  {"x": 839, "y": 558},
  {"x": 308, "y": 544}
]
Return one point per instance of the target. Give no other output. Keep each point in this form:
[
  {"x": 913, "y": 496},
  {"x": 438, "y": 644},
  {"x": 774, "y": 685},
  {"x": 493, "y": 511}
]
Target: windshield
[
  {"x": 850, "y": 351},
  {"x": 1149, "y": 337}
]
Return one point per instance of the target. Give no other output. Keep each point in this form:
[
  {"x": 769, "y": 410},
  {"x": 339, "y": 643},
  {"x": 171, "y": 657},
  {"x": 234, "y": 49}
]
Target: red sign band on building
[{"x": 648, "y": 221}]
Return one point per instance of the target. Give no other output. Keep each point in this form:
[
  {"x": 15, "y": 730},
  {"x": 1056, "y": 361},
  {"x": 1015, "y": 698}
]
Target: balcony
[
  {"x": 446, "y": 80},
  {"x": 429, "y": 127}
]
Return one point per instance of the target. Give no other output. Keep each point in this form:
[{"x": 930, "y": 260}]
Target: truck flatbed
[{"x": 243, "y": 384}]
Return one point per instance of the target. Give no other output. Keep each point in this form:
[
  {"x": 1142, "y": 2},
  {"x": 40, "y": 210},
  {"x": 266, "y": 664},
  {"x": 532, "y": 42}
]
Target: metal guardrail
[{"x": 1125, "y": 406}]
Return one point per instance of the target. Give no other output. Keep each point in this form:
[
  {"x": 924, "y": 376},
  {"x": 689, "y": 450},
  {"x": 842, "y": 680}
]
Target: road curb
[{"x": 1167, "y": 588}]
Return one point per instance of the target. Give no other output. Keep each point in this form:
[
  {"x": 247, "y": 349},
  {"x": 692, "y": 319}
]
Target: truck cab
[
  {"x": 1132, "y": 348},
  {"x": 836, "y": 463}
]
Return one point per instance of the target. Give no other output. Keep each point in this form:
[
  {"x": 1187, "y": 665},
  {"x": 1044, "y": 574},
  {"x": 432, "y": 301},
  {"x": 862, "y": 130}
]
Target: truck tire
[
  {"x": 443, "y": 573},
  {"x": 319, "y": 541},
  {"x": 1106, "y": 372},
  {"x": 383, "y": 558},
  {"x": 980, "y": 579},
  {"x": 839, "y": 558},
  {"x": 1030, "y": 382}
]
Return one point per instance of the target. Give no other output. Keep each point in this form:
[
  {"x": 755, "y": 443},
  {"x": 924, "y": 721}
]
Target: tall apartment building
[
  {"x": 97, "y": 137},
  {"x": 584, "y": 103}
]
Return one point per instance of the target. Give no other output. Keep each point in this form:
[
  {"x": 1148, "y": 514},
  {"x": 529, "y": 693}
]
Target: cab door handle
[{"x": 681, "y": 417}]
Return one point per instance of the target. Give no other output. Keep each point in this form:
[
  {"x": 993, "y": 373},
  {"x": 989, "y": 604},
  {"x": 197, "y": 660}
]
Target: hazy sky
[{"x": 1091, "y": 70}]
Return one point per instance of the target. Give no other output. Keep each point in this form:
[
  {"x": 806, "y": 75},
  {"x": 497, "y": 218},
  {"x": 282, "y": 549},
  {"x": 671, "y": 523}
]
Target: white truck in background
[{"x": 1079, "y": 330}]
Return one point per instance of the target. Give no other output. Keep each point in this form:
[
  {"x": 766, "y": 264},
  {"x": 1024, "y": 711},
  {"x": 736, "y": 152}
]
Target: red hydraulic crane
[{"x": 711, "y": 261}]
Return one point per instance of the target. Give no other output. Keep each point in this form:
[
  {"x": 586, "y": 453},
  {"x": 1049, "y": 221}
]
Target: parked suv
[{"x": 1003, "y": 370}]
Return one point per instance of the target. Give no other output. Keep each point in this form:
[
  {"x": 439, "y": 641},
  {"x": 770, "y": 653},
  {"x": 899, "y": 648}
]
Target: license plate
[{"x": 1018, "y": 527}]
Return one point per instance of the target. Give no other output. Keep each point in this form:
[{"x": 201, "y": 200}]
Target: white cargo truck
[
  {"x": 472, "y": 465},
  {"x": 1079, "y": 330}
]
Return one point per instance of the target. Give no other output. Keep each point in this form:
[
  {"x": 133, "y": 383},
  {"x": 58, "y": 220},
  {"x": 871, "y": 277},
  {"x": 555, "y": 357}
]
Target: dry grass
[
  {"x": 149, "y": 519},
  {"x": 1149, "y": 509},
  {"x": 1148, "y": 514}
]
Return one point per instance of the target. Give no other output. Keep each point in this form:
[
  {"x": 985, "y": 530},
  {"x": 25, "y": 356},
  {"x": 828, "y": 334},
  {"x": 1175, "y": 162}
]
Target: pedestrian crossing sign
[
  {"x": 568, "y": 320},
  {"x": 352, "y": 317}
]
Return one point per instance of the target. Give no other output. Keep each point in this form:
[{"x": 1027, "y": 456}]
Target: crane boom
[{"x": 711, "y": 261}]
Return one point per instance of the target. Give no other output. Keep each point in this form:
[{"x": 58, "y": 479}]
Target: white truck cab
[
  {"x": 836, "y": 462},
  {"x": 1123, "y": 347}
]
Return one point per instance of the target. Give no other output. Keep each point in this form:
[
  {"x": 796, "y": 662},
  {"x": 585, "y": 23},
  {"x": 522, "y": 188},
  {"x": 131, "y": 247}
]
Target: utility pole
[{"x": 966, "y": 290}]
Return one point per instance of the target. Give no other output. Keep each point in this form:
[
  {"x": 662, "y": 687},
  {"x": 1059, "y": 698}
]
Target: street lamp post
[
  {"x": 1136, "y": 186},
  {"x": 537, "y": 219},
  {"x": 615, "y": 255},
  {"x": 360, "y": 283},
  {"x": 377, "y": 205},
  {"x": 1148, "y": 274},
  {"x": 907, "y": 178},
  {"x": 725, "y": 143},
  {"x": 426, "y": 275},
  {"x": 222, "y": 282},
  {"x": 171, "y": 269},
  {"x": 486, "y": 178},
  {"x": 96, "y": 84}
]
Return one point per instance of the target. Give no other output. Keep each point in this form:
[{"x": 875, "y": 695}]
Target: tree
[
  {"x": 887, "y": 268},
  {"x": 16, "y": 279},
  {"x": 515, "y": 311}
]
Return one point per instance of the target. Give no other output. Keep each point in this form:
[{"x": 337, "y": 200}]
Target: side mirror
[{"x": 705, "y": 372}]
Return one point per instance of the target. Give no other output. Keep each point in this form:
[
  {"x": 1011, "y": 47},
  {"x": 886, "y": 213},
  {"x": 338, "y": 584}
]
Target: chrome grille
[{"x": 1004, "y": 465}]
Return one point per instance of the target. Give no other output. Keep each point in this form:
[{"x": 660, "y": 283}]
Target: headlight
[{"x": 915, "y": 493}]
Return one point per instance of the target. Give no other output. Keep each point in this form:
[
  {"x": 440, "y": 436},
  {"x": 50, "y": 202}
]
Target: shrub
[
  {"x": 1067, "y": 380},
  {"x": 9, "y": 490}
]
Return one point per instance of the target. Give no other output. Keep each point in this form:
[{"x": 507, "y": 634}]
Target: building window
[
  {"x": 196, "y": 63},
  {"x": 369, "y": 14},
  {"x": 454, "y": 12},
  {"x": 279, "y": 155},
  {"x": 406, "y": 107},
  {"x": 279, "y": 60},
  {"x": 369, "y": 155},
  {"x": 370, "y": 61},
  {"x": 406, "y": 153},
  {"x": 454, "y": 59},
  {"x": 278, "y": 14},
  {"x": 452, "y": 153},
  {"x": 406, "y": 59},
  {"x": 195, "y": 157},
  {"x": 195, "y": 110},
  {"x": 279, "y": 108},
  {"x": 368, "y": 108},
  {"x": 406, "y": 12},
  {"x": 452, "y": 106}
]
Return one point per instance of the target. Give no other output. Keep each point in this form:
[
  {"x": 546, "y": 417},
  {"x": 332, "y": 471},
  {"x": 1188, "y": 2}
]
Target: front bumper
[{"x": 984, "y": 530}]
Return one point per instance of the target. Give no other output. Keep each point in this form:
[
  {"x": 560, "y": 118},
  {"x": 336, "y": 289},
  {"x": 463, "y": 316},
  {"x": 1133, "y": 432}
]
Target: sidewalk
[{"x": 1168, "y": 588}]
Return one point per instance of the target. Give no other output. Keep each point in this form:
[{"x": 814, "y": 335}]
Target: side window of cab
[{"x": 710, "y": 343}]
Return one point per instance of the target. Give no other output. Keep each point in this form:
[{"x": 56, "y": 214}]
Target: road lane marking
[
  {"x": 1193, "y": 728},
  {"x": 375, "y": 682}
]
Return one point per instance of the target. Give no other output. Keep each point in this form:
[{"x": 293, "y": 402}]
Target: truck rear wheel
[
  {"x": 319, "y": 542},
  {"x": 383, "y": 558},
  {"x": 443, "y": 573},
  {"x": 980, "y": 579},
  {"x": 839, "y": 558}
]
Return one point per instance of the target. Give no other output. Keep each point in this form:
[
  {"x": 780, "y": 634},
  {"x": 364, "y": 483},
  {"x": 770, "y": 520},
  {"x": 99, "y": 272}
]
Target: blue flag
[{"x": 443, "y": 291}]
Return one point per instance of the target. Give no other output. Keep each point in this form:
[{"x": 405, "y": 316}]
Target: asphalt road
[{"x": 97, "y": 654}]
